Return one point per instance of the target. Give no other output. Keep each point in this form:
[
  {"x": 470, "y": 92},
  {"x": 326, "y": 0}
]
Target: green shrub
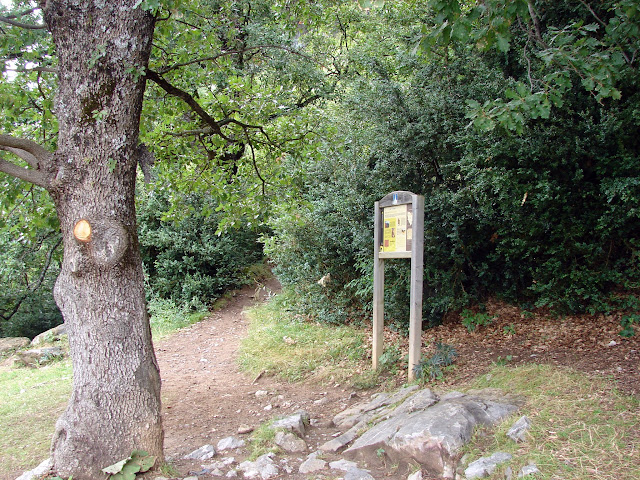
[
  {"x": 548, "y": 217},
  {"x": 29, "y": 265},
  {"x": 186, "y": 259},
  {"x": 472, "y": 320},
  {"x": 627, "y": 325}
]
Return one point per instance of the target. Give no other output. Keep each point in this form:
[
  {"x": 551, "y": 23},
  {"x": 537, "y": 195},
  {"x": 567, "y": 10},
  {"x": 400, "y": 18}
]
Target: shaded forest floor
[{"x": 588, "y": 343}]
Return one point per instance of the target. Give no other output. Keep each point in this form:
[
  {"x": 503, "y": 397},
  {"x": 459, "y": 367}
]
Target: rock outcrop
[{"x": 425, "y": 429}]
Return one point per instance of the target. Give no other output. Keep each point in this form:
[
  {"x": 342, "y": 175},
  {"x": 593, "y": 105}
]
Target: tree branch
[
  {"x": 31, "y": 289},
  {"x": 536, "y": 22},
  {"x": 213, "y": 58},
  {"x": 29, "y": 26},
  {"x": 189, "y": 100},
  {"x": 30, "y": 152},
  {"x": 40, "y": 153},
  {"x": 27, "y": 174},
  {"x": 601, "y": 22},
  {"x": 24, "y": 155},
  {"x": 34, "y": 69}
]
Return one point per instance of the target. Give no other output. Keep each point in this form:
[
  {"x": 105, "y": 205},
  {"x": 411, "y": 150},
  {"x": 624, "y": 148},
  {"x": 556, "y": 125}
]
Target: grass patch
[
  {"x": 581, "y": 426},
  {"x": 283, "y": 344},
  {"x": 31, "y": 400},
  {"x": 262, "y": 441},
  {"x": 166, "y": 317}
]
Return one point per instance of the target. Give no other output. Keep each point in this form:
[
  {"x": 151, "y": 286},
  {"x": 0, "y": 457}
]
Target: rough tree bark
[{"x": 102, "y": 47}]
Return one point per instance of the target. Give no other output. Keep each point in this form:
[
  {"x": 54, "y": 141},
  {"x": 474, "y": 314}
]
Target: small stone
[
  {"x": 483, "y": 467},
  {"x": 415, "y": 476},
  {"x": 294, "y": 423},
  {"x": 612, "y": 343},
  {"x": 225, "y": 462},
  {"x": 268, "y": 408},
  {"x": 232, "y": 474},
  {"x": 263, "y": 467},
  {"x": 312, "y": 464},
  {"x": 518, "y": 431},
  {"x": 230, "y": 443},
  {"x": 192, "y": 477},
  {"x": 290, "y": 442},
  {"x": 244, "y": 429},
  {"x": 203, "y": 453},
  {"x": 508, "y": 473},
  {"x": 343, "y": 465},
  {"x": 358, "y": 474},
  {"x": 531, "y": 469},
  {"x": 261, "y": 393}
]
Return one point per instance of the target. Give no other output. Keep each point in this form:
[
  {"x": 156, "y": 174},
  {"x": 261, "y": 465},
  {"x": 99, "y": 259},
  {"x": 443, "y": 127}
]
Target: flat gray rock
[
  {"x": 518, "y": 431},
  {"x": 50, "y": 335},
  {"x": 343, "y": 465},
  {"x": 353, "y": 415},
  {"x": 9, "y": 344},
  {"x": 343, "y": 440},
  {"x": 312, "y": 464},
  {"x": 205, "y": 452},
  {"x": 485, "y": 466},
  {"x": 39, "y": 356},
  {"x": 432, "y": 435},
  {"x": 230, "y": 443},
  {"x": 37, "y": 472}
]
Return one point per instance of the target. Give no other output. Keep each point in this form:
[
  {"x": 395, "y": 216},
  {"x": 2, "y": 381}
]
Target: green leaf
[
  {"x": 116, "y": 467},
  {"x": 503, "y": 43}
]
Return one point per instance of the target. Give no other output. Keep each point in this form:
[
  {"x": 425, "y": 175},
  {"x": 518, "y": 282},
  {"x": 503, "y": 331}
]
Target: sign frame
[{"x": 388, "y": 248}]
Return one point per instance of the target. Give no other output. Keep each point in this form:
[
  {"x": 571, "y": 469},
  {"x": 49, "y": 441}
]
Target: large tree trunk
[{"x": 102, "y": 47}]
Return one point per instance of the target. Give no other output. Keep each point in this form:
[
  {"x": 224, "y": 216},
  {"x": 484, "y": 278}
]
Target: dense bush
[
  {"x": 185, "y": 258},
  {"x": 29, "y": 266},
  {"x": 547, "y": 217}
]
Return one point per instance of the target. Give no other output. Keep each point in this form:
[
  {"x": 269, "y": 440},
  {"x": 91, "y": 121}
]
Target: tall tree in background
[{"x": 115, "y": 402}]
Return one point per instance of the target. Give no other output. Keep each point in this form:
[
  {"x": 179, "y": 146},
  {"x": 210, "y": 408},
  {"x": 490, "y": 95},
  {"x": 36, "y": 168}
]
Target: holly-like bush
[{"x": 185, "y": 258}]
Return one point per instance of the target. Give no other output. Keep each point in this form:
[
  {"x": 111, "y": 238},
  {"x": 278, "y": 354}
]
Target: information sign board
[{"x": 399, "y": 232}]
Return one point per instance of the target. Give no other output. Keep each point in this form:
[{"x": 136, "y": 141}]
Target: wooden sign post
[{"x": 399, "y": 233}]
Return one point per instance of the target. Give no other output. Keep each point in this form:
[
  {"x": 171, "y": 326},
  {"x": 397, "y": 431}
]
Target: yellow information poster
[
  {"x": 396, "y": 229},
  {"x": 389, "y": 237}
]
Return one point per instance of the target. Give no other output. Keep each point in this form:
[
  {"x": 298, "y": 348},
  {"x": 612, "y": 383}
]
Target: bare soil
[{"x": 206, "y": 397}]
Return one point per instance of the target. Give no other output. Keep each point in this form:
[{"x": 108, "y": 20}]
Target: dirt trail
[{"x": 206, "y": 398}]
